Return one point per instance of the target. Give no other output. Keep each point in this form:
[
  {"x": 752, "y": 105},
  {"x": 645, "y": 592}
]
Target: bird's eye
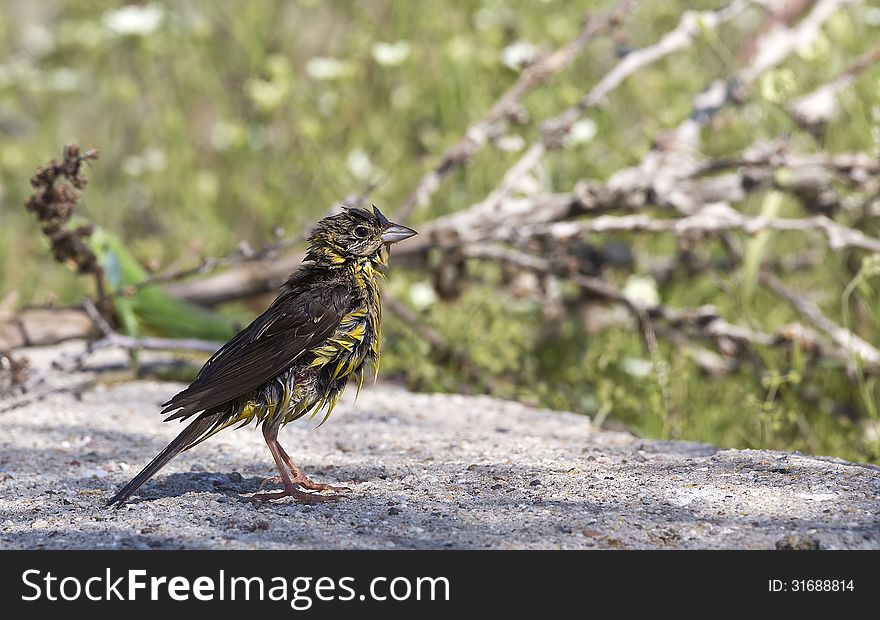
[{"x": 361, "y": 232}]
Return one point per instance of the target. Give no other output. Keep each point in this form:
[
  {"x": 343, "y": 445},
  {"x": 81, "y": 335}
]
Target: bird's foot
[
  {"x": 300, "y": 496},
  {"x": 307, "y": 483}
]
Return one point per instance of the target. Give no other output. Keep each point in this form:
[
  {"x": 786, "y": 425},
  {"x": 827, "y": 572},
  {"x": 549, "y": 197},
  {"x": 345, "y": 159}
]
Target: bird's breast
[{"x": 353, "y": 343}]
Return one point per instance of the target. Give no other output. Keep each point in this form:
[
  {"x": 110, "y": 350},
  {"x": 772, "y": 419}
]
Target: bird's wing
[{"x": 295, "y": 323}]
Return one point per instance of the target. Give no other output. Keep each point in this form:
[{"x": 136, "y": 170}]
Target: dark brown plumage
[{"x": 296, "y": 357}]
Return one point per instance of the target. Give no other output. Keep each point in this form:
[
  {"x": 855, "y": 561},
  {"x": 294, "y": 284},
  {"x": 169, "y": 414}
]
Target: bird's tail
[{"x": 184, "y": 440}]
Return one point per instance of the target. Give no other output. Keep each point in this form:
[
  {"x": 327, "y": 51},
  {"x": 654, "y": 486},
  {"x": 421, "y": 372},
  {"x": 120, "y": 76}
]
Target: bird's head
[{"x": 354, "y": 233}]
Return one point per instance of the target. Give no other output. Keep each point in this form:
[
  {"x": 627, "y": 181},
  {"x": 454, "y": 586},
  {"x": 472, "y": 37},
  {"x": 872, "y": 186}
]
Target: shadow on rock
[{"x": 177, "y": 484}]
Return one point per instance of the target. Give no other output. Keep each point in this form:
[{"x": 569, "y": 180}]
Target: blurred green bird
[
  {"x": 297, "y": 357},
  {"x": 152, "y": 310}
]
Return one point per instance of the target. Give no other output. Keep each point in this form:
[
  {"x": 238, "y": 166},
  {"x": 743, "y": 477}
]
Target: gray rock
[{"x": 427, "y": 471}]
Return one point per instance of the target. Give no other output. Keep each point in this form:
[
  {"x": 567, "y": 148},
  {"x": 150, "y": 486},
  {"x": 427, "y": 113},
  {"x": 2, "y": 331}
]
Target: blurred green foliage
[{"x": 219, "y": 121}]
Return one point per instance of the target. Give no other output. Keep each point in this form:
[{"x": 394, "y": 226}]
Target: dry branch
[
  {"x": 507, "y": 106},
  {"x": 780, "y": 41},
  {"x": 661, "y": 178},
  {"x": 252, "y": 273},
  {"x": 815, "y": 109},
  {"x": 681, "y": 325},
  {"x": 555, "y": 129},
  {"x": 44, "y": 326},
  {"x": 855, "y": 168},
  {"x": 844, "y": 338},
  {"x": 712, "y": 219}
]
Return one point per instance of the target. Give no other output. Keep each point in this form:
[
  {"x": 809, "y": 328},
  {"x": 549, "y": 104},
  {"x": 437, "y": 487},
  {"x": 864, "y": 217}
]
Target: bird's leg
[
  {"x": 271, "y": 436},
  {"x": 304, "y": 481}
]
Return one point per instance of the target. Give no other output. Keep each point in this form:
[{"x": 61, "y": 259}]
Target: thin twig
[
  {"x": 441, "y": 350},
  {"x": 778, "y": 43},
  {"x": 713, "y": 219},
  {"x": 815, "y": 109},
  {"x": 208, "y": 264},
  {"x": 244, "y": 254},
  {"x": 112, "y": 338},
  {"x": 844, "y": 338},
  {"x": 854, "y": 167}
]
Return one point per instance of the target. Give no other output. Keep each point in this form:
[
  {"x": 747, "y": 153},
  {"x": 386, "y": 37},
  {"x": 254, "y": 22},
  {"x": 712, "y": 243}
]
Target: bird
[{"x": 322, "y": 330}]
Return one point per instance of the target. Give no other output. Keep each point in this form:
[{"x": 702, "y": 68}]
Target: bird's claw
[
  {"x": 290, "y": 490},
  {"x": 270, "y": 480},
  {"x": 305, "y": 483},
  {"x": 311, "y": 485},
  {"x": 300, "y": 496}
]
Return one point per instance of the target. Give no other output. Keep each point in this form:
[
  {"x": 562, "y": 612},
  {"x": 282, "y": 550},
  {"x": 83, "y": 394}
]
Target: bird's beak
[{"x": 396, "y": 232}]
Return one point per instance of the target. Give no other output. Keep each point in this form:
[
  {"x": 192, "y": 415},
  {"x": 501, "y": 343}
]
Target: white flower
[
  {"x": 581, "y": 132},
  {"x": 422, "y": 295},
  {"x": 360, "y": 166},
  {"x": 154, "y": 159},
  {"x": 134, "y": 20},
  {"x": 37, "y": 40},
  {"x": 636, "y": 366},
  {"x": 642, "y": 290},
  {"x": 517, "y": 55},
  {"x": 390, "y": 54},
  {"x": 872, "y": 431},
  {"x": 510, "y": 143},
  {"x": 325, "y": 68},
  {"x": 871, "y": 15}
]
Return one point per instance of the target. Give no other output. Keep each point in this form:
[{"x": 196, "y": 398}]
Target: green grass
[{"x": 213, "y": 131}]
